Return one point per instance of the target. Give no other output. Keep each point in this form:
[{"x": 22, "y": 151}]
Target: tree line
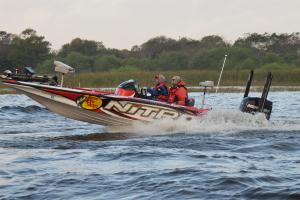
[{"x": 253, "y": 50}]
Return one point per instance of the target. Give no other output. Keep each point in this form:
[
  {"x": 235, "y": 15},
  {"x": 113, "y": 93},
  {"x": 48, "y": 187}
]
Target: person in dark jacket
[
  {"x": 178, "y": 92},
  {"x": 161, "y": 91}
]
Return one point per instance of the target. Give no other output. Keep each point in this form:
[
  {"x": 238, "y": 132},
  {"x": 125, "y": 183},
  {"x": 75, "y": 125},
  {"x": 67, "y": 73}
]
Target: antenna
[{"x": 221, "y": 73}]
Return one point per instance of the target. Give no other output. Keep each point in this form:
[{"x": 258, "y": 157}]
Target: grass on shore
[{"x": 191, "y": 77}]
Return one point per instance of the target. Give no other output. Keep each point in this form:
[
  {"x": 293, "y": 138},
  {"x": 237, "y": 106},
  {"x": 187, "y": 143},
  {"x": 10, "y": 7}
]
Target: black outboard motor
[{"x": 255, "y": 104}]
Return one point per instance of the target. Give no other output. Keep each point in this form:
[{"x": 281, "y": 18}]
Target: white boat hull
[{"x": 97, "y": 107}]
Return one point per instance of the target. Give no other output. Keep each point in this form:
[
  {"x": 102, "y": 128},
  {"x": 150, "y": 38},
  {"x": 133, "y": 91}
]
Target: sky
[{"x": 124, "y": 23}]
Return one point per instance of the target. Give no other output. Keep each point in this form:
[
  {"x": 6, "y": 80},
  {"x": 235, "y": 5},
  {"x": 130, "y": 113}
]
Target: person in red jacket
[{"x": 178, "y": 91}]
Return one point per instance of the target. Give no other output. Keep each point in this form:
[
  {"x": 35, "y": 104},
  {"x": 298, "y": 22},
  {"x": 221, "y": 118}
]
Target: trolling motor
[
  {"x": 255, "y": 104},
  {"x": 63, "y": 68},
  {"x": 205, "y": 84}
]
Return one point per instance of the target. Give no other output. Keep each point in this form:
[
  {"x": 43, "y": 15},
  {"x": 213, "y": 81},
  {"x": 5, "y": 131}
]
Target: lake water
[{"x": 224, "y": 155}]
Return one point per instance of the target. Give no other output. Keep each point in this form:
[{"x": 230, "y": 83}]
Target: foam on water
[
  {"x": 217, "y": 121},
  {"x": 223, "y": 121}
]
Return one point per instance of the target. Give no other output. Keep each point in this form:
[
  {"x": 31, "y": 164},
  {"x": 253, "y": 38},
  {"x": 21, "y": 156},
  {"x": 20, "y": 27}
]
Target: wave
[
  {"x": 217, "y": 121},
  {"x": 23, "y": 109},
  {"x": 95, "y": 137}
]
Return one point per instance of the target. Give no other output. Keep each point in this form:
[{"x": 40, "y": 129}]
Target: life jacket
[
  {"x": 161, "y": 96},
  {"x": 178, "y": 94}
]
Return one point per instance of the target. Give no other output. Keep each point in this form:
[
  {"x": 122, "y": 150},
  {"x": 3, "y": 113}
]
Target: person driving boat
[{"x": 161, "y": 91}]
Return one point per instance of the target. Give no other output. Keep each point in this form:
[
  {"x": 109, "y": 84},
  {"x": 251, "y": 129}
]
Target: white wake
[{"x": 217, "y": 121}]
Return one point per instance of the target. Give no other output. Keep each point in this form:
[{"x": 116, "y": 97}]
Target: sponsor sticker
[{"x": 89, "y": 102}]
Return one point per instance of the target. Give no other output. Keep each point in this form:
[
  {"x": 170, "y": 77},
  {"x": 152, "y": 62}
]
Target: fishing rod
[{"x": 221, "y": 73}]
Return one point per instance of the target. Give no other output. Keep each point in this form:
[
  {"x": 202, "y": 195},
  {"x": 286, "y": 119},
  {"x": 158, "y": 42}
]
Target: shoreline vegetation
[
  {"x": 191, "y": 77},
  {"x": 266, "y": 51},
  {"x": 195, "y": 60},
  {"x": 222, "y": 89},
  {"x": 232, "y": 80}
]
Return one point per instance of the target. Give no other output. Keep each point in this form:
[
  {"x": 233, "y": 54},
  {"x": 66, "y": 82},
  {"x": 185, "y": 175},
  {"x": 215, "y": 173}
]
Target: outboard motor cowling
[
  {"x": 127, "y": 88},
  {"x": 255, "y": 104}
]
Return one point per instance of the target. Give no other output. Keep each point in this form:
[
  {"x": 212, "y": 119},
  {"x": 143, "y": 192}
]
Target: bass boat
[{"x": 120, "y": 108}]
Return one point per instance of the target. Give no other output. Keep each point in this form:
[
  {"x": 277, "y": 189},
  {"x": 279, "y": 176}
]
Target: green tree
[
  {"x": 188, "y": 43},
  {"x": 80, "y": 62},
  {"x": 172, "y": 61},
  {"x": 46, "y": 67},
  {"x": 134, "y": 62},
  {"x": 155, "y": 46},
  {"x": 242, "y": 57},
  {"x": 106, "y": 63},
  {"x": 272, "y": 58},
  {"x": 208, "y": 59},
  {"x": 213, "y": 41},
  {"x": 84, "y": 47},
  {"x": 5, "y": 43},
  {"x": 28, "y": 49}
]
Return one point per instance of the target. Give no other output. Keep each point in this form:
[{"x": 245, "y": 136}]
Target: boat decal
[
  {"x": 89, "y": 102},
  {"x": 66, "y": 94},
  {"x": 140, "y": 110}
]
